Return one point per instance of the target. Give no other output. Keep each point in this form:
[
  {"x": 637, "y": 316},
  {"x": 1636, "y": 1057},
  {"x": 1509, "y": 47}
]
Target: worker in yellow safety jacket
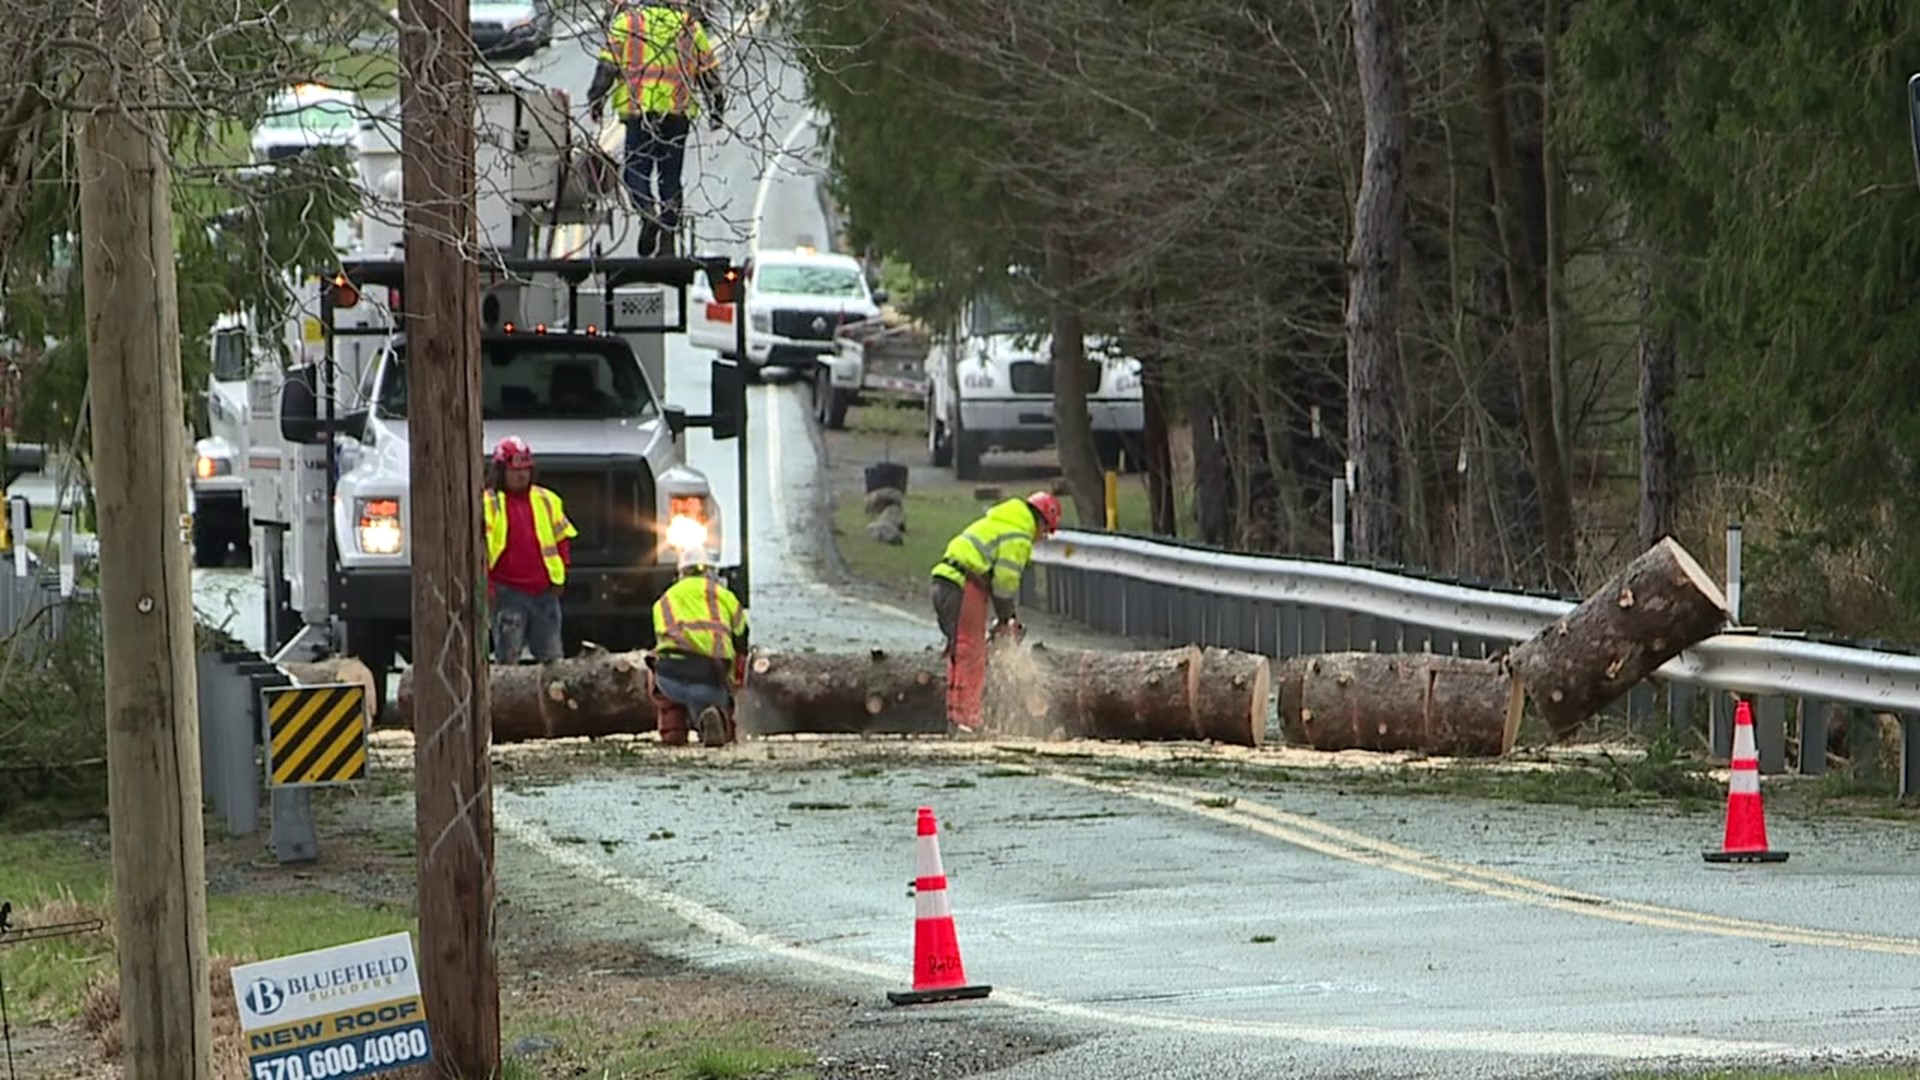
[
  {"x": 700, "y": 653},
  {"x": 982, "y": 568},
  {"x": 528, "y": 549},
  {"x": 657, "y": 52}
]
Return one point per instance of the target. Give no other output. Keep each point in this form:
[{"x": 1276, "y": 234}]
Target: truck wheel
[
  {"x": 374, "y": 644},
  {"x": 829, "y": 404},
  {"x": 209, "y": 541},
  {"x": 967, "y": 448},
  {"x": 939, "y": 441}
]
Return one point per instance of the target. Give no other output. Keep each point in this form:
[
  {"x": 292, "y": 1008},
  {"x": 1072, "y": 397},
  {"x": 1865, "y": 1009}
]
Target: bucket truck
[{"x": 572, "y": 359}]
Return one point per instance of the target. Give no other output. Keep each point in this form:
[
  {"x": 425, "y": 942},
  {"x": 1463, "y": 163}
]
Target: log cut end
[{"x": 1695, "y": 576}]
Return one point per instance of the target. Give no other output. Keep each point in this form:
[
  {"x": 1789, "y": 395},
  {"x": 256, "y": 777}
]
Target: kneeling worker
[
  {"x": 985, "y": 564},
  {"x": 700, "y": 653}
]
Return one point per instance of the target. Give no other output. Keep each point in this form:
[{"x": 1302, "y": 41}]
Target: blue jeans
[
  {"x": 523, "y": 619},
  {"x": 657, "y": 142},
  {"x": 697, "y": 697}
]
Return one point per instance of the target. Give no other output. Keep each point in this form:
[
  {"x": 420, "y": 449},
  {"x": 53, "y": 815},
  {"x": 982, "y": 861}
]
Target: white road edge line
[{"x": 1613, "y": 1045}]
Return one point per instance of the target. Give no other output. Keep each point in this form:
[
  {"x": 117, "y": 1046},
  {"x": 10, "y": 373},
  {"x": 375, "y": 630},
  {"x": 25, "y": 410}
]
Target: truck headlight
[
  {"x": 380, "y": 530},
  {"x": 761, "y": 321},
  {"x": 206, "y": 468}
]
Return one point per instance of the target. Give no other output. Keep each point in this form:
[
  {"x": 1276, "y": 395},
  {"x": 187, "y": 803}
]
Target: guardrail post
[
  {"x": 1733, "y": 573},
  {"x": 1339, "y": 519},
  {"x": 1770, "y": 733},
  {"x": 1363, "y": 634},
  {"x": 1720, "y": 725},
  {"x": 1815, "y": 717},
  {"x": 1680, "y": 697},
  {"x": 211, "y": 672},
  {"x": 1909, "y": 756}
]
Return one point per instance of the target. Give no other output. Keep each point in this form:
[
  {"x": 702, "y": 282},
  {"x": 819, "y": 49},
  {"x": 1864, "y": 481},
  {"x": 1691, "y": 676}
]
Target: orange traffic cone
[
  {"x": 937, "y": 972},
  {"x": 1746, "y": 839}
]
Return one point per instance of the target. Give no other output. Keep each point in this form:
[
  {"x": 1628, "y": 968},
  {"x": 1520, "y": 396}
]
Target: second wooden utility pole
[
  {"x": 146, "y": 601},
  {"x": 453, "y": 784}
]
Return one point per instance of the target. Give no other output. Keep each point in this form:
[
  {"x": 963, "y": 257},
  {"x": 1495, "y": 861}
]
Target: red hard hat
[
  {"x": 1049, "y": 508},
  {"x": 514, "y": 453}
]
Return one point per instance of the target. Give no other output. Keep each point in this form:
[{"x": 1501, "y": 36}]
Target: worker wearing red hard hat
[
  {"x": 982, "y": 568},
  {"x": 528, "y": 549}
]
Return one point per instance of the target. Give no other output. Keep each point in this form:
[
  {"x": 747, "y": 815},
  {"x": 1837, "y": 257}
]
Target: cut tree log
[
  {"x": 1659, "y": 605},
  {"x": 1449, "y": 706},
  {"x": 1206, "y": 694},
  {"x": 872, "y": 693},
  {"x": 337, "y": 669},
  {"x": 598, "y": 693}
]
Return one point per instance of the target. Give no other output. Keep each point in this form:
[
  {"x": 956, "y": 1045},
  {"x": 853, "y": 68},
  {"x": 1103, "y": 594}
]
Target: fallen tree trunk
[
  {"x": 871, "y": 693},
  {"x": 596, "y": 694},
  {"x": 338, "y": 669},
  {"x": 1449, "y": 706},
  {"x": 1659, "y": 605},
  {"x": 1217, "y": 695},
  {"x": 1188, "y": 693}
]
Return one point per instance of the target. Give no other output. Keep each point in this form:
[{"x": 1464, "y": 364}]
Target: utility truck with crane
[{"x": 572, "y": 359}]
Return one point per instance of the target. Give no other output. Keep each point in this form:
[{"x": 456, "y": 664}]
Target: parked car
[
  {"x": 513, "y": 30},
  {"x": 303, "y": 117}
]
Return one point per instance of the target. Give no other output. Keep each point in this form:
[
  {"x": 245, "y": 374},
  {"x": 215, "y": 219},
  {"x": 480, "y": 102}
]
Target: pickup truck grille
[
  {"x": 612, "y": 508},
  {"x": 1033, "y": 377},
  {"x": 799, "y": 325}
]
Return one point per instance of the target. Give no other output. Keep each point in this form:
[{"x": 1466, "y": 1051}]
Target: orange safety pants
[{"x": 966, "y": 632}]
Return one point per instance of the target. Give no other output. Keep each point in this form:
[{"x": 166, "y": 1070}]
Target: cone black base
[
  {"x": 927, "y": 997},
  {"x": 1744, "y": 856}
]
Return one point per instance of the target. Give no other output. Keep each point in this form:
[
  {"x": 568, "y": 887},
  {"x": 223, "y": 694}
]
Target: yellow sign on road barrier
[{"x": 316, "y": 735}]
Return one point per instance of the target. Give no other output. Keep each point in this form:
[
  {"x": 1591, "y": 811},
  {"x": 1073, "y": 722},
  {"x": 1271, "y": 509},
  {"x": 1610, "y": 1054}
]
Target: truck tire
[
  {"x": 939, "y": 440},
  {"x": 375, "y": 644},
  {"x": 210, "y": 540},
  {"x": 967, "y": 448},
  {"x": 833, "y": 408}
]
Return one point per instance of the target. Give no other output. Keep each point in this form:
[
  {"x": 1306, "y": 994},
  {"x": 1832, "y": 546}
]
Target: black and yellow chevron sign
[{"x": 316, "y": 734}]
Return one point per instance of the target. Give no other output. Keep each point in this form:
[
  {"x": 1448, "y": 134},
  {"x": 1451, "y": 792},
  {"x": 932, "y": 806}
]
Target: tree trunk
[
  {"x": 1156, "y": 445},
  {"x": 1373, "y": 267},
  {"x": 338, "y": 669},
  {"x": 1072, "y": 422},
  {"x": 1187, "y": 693},
  {"x": 579, "y": 697},
  {"x": 146, "y": 613},
  {"x": 1659, "y": 448},
  {"x": 1660, "y": 604},
  {"x": 1553, "y": 178},
  {"x": 1528, "y": 341},
  {"x": 1211, "y": 508},
  {"x": 1445, "y": 705},
  {"x": 875, "y": 693}
]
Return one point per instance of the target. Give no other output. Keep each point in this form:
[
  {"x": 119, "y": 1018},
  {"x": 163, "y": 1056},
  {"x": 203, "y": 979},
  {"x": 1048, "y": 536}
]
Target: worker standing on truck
[
  {"x": 700, "y": 653},
  {"x": 656, "y": 52},
  {"x": 528, "y": 549},
  {"x": 982, "y": 567}
]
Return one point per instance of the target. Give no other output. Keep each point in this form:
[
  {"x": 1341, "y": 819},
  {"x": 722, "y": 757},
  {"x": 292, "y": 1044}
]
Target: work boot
[{"x": 713, "y": 727}]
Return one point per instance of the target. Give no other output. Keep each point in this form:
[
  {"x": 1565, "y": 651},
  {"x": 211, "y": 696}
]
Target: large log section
[
  {"x": 1445, "y": 705},
  {"x": 1188, "y": 693},
  {"x": 1662, "y": 603}
]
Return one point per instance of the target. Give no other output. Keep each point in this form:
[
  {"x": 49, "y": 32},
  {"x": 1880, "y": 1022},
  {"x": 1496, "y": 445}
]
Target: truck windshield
[
  {"x": 991, "y": 316},
  {"x": 810, "y": 281},
  {"x": 229, "y": 355},
  {"x": 541, "y": 380}
]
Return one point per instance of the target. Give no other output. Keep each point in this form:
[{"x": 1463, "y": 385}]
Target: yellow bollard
[{"x": 1113, "y": 501}]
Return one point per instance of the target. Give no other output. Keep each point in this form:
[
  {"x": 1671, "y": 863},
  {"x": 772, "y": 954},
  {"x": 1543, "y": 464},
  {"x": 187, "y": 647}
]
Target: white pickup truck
[
  {"x": 795, "y": 300},
  {"x": 990, "y": 387}
]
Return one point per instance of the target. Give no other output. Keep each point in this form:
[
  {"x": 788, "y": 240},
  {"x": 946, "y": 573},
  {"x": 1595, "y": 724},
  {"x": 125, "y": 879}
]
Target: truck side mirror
[
  {"x": 880, "y": 296},
  {"x": 677, "y": 421},
  {"x": 300, "y": 407},
  {"x": 728, "y": 390}
]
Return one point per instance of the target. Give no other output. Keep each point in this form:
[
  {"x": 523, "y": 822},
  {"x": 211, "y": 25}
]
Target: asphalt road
[{"x": 1408, "y": 937}]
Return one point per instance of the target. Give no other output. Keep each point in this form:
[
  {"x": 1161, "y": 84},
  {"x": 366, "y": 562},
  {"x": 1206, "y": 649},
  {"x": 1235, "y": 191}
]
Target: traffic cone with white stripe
[
  {"x": 938, "y": 974},
  {"x": 1746, "y": 838}
]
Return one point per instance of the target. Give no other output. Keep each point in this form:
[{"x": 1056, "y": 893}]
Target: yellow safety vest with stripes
[
  {"x": 995, "y": 549},
  {"x": 550, "y": 526},
  {"x": 661, "y": 53},
  {"x": 698, "y": 616}
]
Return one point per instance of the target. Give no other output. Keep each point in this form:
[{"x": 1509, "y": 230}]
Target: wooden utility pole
[
  {"x": 453, "y": 783},
  {"x": 146, "y": 610}
]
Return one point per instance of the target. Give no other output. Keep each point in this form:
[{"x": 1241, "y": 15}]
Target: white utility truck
[
  {"x": 795, "y": 301},
  {"x": 871, "y": 360},
  {"x": 580, "y": 381},
  {"x": 990, "y": 387}
]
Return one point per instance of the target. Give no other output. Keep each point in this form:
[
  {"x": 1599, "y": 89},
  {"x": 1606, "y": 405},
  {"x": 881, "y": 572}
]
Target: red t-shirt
[{"x": 520, "y": 565}]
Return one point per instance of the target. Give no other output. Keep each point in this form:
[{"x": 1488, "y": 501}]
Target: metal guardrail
[{"x": 1287, "y": 607}]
